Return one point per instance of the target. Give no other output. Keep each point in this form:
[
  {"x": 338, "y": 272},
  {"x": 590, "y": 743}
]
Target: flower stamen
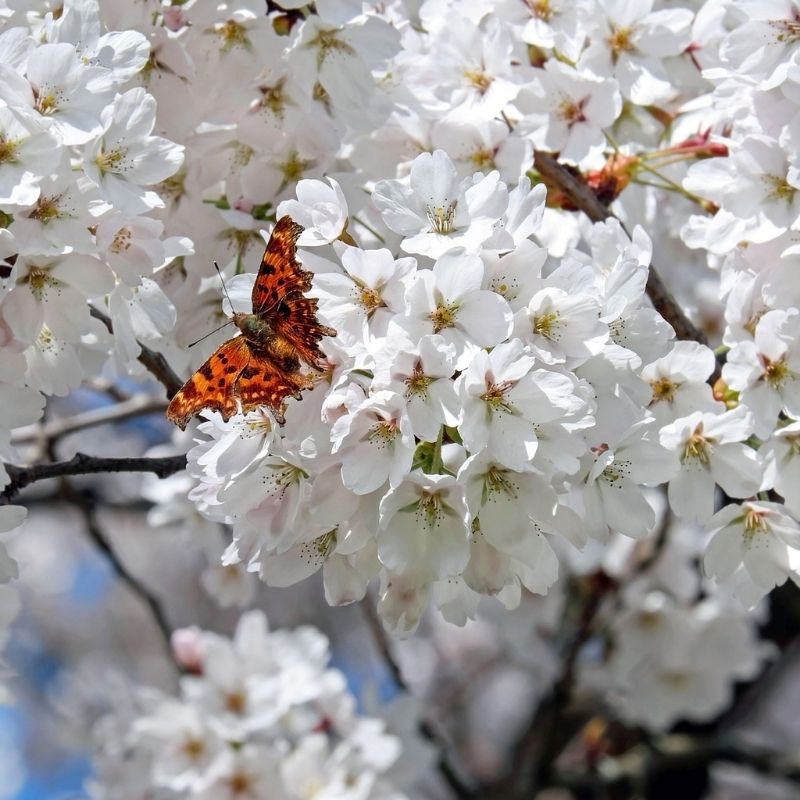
[
  {"x": 443, "y": 317},
  {"x": 441, "y": 218}
]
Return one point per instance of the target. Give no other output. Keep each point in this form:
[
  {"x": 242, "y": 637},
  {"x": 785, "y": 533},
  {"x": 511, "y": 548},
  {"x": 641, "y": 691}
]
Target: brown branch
[
  {"x": 81, "y": 464},
  {"x": 107, "y": 387},
  {"x": 153, "y": 361},
  {"x": 555, "y": 174},
  {"x": 136, "y": 406},
  {"x": 538, "y": 748},
  {"x": 645, "y": 767}
]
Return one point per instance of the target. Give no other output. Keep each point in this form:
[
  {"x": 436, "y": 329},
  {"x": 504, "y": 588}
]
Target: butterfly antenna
[
  {"x": 224, "y": 324},
  {"x": 224, "y": 287}
]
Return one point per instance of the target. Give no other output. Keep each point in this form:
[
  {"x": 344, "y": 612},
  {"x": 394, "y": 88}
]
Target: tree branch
[
  {"x": 540, "y": 745},
  {"x": 585, "y": 199},
  {"x": 153, "y": 361},
  {"x": 644, "y": 767},
  {"x": 81, "y": 464},
  {"x": 136, "y": 406}
]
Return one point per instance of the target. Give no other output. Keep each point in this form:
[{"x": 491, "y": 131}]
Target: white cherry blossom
[
  {"x": 67, "y": 95},
  {"x": 436, "y": 211},
  {"x": 712, "y": 451},
  {"x": 422, "y": 373},
  {"x": 423, "y": 527},
  {"x": 561, "y": 327},
  {"x": 125, "y": 157},
  {"x": 629, "y": 41},
  {"x": 320, "y": 209},
  {"x": 566, "y": 110},
  {"x": 766, "y": 372},
  {"x": 612, "y": 497},
  {"x": 504, "y": 399},
  {"x": 679, "y": 382},
  {"x": 755, "y": 546},
  {"x": 367, "y": 293},
  {"x": 27, "y": 154},
  {"x": 781, "y": 457},
  {"x": 449, "y": 300},
  {"x": 374, "y": 442}
]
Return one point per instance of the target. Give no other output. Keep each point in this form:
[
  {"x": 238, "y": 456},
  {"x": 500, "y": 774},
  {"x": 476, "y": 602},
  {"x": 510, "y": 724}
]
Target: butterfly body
[
  {"x": 262, "y": 366},
  {"x": 261, "y": 337}
]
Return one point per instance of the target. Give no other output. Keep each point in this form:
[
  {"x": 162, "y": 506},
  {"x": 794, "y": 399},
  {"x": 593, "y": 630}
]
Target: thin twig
[
  {"x": 81, "y": 464},
  {"x": 88, "y": 508},
  {"x": 136, "y": 406},
  {"x": 107, "y": 387},
  {"x": 586, "y": 200},
  {"x": 153, "y": 361}
]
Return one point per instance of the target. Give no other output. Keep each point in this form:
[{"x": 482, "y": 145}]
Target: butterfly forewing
[
  {"x": 295, "y": 319},
  {"x": 213, "y": 385},
  {"x": 279, "y": 294},
  {"x": 264, "y": 383}
]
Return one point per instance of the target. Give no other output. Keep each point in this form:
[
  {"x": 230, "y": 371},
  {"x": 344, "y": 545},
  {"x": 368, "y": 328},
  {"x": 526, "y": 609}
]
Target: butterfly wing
[
  {"x": 279, "y": 273},
  {"x": 264, "y": 383},
  {"x": 279, "y": 294},
  {"x": 236, "y": 373},
  {"x": 213, "y": 385}
]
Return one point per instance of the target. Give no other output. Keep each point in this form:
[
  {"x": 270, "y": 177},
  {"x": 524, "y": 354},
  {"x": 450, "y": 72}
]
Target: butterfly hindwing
[
  {"x": 213, "y": 385},
  {"x": 264, "y": 383},
  {"x": 295, "y": 319},
  {"x": 279, "y": 273}
]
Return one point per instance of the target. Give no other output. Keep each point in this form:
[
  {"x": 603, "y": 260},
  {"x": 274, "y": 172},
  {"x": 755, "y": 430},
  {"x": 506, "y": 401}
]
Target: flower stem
[
  {"x": 369, "y": 228},
  {"x": 436, "y": 458},
  {"x": 671, "y": 185}
]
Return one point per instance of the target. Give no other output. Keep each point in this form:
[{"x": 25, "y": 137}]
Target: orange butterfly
[{"x": 262, "y": 366}]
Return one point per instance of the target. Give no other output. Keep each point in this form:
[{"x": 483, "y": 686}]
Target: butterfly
[{"x": 262, "y": 367}]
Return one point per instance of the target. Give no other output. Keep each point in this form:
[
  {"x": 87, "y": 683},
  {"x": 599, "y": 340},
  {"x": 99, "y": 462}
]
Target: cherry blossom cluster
[
  {"x": 752, "y": 240},
  {"x": 470, "y": 412},
  {"x": 77, "y": 169},
  {"x": 677, "y": 646},
  {"x": 261, "y": 715},
  {"x": 499, "y": 381}
]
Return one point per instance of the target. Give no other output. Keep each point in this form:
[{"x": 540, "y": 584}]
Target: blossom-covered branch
[
  {"x": 584, "y": 198},
  {"x": 503, "y": 413}
]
